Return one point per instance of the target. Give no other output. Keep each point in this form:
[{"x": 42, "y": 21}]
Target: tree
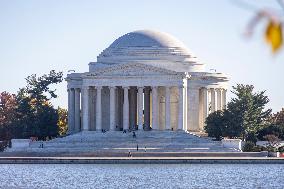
[
  {"x": 35, "y": 107},
  {"x": 62, "y": 121},
  {"x": 38, "y": 88},
  {"x": 29, "y": 112},
  {"x": 7, "y": 114},
  {"x": 244, "y": 116},
  {"x": 278, "y": 118},
  {"x": 274, "y": 126},
  {"x": 247, "y": 109},
  {"x": 215, "y": 125},
  {"x": 273, "y": 140},
  {"x": 219, "y": 124}
]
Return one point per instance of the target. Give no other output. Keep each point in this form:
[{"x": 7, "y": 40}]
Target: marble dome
[
  {"x": 149, "y": 47},
  {"x": 147, "y": 38}
]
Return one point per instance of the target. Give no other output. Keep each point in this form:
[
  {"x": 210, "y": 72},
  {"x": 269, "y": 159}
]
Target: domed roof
[
  {"x": 147, "y": 38},
  {"x": 149, "y": 47}
]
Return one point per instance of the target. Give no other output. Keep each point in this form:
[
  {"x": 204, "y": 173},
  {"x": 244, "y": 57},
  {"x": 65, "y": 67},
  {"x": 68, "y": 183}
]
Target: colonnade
[
  {"x": 212, "y": 99},
  {"x": 139, "y": 107}
]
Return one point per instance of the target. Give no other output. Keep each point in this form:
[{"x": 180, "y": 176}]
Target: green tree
[
  {"x": 30, "y": 113},
  {"x": 215, "y": 125},
  {"x": 274, "y": 126},
  {"x": 244, "y": 116},
  {"x": 38, "y": 88},
  {"x": 39, "y": 117},
  {"x": 247, "y": 110}
]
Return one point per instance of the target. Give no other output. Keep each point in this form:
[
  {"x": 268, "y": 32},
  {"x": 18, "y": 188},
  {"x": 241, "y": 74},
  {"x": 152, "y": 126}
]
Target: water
[{"x": 142, "y": 176}]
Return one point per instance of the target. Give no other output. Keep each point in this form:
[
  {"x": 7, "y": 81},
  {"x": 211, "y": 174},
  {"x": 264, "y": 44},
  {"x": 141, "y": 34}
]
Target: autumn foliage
[{"x": 29, "y": 113}]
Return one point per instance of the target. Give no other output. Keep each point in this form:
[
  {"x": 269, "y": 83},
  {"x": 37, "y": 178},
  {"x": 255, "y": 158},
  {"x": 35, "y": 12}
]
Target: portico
[{"x": 144, "y": 86}]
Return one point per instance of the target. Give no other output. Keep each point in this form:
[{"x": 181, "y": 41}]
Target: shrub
[
  {"x": 273, "y": 140},
  {"x": 258, "y": 148},
  {"x": 214, "y": 125},
  {"x": 281, "y": 149},
  {"x": 251, "y": 137},
  {"x": 276, "y": 130},
  {"x": 3, "y": 145},
  {"x": 248, "y": 147}
]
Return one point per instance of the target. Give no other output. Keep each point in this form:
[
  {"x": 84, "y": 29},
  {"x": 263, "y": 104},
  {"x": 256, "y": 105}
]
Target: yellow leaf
[{"x": 273, "y": 35}]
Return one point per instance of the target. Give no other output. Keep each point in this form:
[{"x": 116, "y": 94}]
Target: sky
[{"x": 37, "y": 36}]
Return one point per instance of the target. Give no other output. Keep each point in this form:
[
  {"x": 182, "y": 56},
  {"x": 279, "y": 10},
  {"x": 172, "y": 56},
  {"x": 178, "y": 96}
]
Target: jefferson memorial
[{"x": 145, "y": 80}]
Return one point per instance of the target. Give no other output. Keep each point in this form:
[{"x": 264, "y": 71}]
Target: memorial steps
[{"x": 154, "y": 141}]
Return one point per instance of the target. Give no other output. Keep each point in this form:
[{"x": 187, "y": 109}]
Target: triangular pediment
[{"x": 132, "y": 69}]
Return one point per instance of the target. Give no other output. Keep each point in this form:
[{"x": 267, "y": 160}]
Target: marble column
[
  {"x": 168, "y": 108},
  {"x": 70, "y": 117},
  {"x": 213, "y": 100},
  {"x": 71, "y": 113},
  {"x": 132, "y": 107},
  {"x": 125, "y": 109},
  {"x": 92, "y": 108},
  {"x": 112, "y": 109},
  {"x": 219, "y": 99},
  {"x": 140, "y": 108},
  {"x": 85, "y": 108},
  {"x": 155, "y": 116},
  {"x": 99, "y": 109},
  {"x": 205, "y": 106},
  {"x": 180, "y": 108},
  {"x": 77, "y": 117},
  {"x": 147, "y": 108},
  {"x": 193, "y": 109},
  {"x": 224, "y": 100}
]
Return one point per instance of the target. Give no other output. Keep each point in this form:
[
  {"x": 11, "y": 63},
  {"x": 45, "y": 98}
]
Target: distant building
[{"x": 144, "y": 80}]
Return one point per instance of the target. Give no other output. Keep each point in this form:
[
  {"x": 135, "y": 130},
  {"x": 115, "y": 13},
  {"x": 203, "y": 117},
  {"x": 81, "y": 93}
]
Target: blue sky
[{"x": 37, "y": 36}]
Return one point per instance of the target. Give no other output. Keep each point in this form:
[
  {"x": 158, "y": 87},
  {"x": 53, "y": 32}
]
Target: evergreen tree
[
  {"x": 247, "y": 110},
  {"x": 244, "y": 116}
]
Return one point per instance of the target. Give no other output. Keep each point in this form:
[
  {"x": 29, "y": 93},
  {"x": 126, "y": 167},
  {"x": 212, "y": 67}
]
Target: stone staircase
[{"x": 117, "y": 142}]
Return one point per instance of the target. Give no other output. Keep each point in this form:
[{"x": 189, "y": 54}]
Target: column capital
[
  {"x": 146, "y": 88},
  {"x": 99, "y": 87},
  {"x": 85, "y": 87},
  {"x": 140, "y": 89},
  {"x": 212, "y": 90},
  {"x": 205, "y": 88},
  {"x": 154, "y": 87},
  {"x": 218, "y": 89},
  {"x": 125, "y": 87},
  {"x": 112, "y": 87},
  {"x": 77, "y": 89},
  {"x": 168, "y": 87}
]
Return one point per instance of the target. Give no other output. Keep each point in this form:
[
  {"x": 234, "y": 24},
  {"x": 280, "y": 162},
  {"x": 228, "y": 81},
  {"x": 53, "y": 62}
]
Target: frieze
[{"x": 132, "y": 69}]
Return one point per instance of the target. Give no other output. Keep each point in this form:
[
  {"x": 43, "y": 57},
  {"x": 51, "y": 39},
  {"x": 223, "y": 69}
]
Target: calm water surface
[{"x": 142, "y": 176}]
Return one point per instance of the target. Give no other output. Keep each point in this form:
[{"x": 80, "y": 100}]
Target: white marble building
[{"x": 144, "y": 80}]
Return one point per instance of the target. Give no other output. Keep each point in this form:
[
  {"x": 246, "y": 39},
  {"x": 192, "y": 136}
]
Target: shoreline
[{"x": 141, "y": 160}]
